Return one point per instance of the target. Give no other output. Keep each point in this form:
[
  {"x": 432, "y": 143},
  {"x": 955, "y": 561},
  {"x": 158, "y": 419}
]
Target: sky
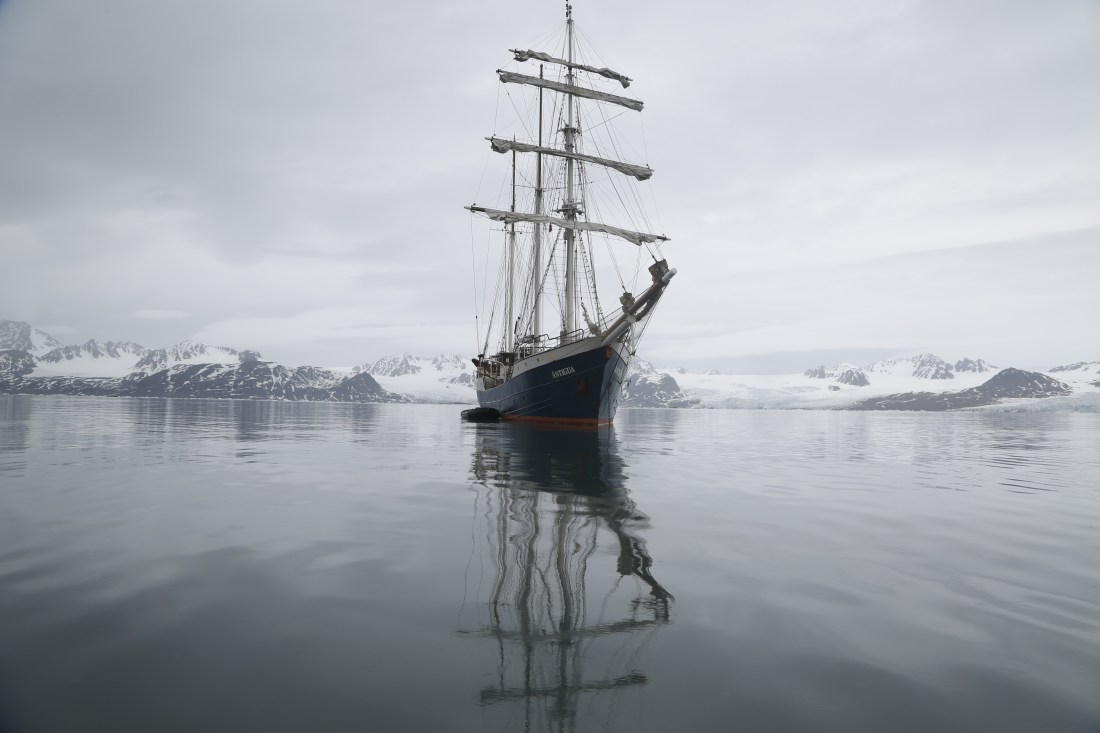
[{"x": 842, "y": 181}]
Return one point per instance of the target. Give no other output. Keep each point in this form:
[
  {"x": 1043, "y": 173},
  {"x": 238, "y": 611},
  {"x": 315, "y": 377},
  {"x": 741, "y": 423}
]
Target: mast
[
  {"x": 536, "y": 247},
  {"x": 509, "y": 333},
  {"x": 569, "y": 206},
  {"x": 569, "y": 217}
]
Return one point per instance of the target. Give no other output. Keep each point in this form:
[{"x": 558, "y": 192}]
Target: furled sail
[
  {"x": 509, "y": 77},
  {"x": 641, "y": 172},
  {"x": 509, "y": 217},
  {"x": 602, "y": 71}
]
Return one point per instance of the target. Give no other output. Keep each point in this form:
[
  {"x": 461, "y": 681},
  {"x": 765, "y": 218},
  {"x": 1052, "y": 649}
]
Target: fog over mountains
[{"x": 34, "y": 362}]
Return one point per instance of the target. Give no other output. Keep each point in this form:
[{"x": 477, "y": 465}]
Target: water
[{"x": 234, "y": 566}]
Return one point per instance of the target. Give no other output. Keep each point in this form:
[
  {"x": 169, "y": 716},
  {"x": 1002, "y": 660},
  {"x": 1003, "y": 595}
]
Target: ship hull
[{"x": 579, "y": 387}]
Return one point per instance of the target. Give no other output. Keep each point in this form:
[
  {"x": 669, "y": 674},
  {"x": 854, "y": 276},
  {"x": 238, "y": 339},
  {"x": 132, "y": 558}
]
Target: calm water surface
[{"x": 254, "y": 566}]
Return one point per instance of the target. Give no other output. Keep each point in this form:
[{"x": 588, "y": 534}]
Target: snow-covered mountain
[
  {"x": 900, "y": 372},
  {"x": 844, "y": 385},
  {"x": 444, "y": 379},
  {"x": 21, "y": 336},
  {"x": 921, "y": 366},
  {"x": 1082, "y": 371},
  {"x": 254, "y": 379},
  {"x": 190, "y": 369},
  {"x": 1007, "y": 384},
  {"x": 15, "y": 363},
  {"x": 91, "y": 359},
  {"x": 842, "y": 374},
  {"x": 187, "y": 352},
  {"x": 449, "y": 379},
  {"x": 187, "y": 369},
  {"x": 981, "y": 366},
  {"x": 645, "y": 386}
]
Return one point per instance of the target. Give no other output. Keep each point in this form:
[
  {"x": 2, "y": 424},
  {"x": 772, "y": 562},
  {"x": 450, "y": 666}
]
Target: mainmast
[
  {"x": 536, "y": 246},
  {"x": 569, "y": 206}
]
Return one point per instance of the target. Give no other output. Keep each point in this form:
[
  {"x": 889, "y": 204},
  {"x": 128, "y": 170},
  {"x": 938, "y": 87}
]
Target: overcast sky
[{"x": 841, "y": 180}]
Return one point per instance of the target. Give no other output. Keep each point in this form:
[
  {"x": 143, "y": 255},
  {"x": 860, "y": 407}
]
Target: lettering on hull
[{"x": 562, "y": 372}]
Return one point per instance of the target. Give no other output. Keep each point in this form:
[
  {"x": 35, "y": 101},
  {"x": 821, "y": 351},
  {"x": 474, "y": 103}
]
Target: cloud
[
  {"x": 257, "y": 174},
  {"x": 324, "y": 336},
  {"x": 56, "y": 329},
  {"x": 1026, "y": 302},
  {"x": 153, "y": 314}
]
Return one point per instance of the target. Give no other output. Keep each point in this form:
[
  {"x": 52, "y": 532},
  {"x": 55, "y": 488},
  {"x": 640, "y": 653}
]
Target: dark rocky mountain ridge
[
  {"x": 647, "y": 387},
  {"x": 1006, "y": 384},
  {"x": 95, "y": 350},
  {"x": 249, "y": 379},
  {"x": 207, "y": 371}
]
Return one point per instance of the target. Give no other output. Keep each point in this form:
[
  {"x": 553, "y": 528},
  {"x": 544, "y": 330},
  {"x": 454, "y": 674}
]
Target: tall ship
[{"x": 550, "y": 349}]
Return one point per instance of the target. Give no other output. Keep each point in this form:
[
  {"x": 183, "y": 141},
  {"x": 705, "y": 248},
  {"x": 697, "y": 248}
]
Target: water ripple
[{"x": 215, "y": 565}]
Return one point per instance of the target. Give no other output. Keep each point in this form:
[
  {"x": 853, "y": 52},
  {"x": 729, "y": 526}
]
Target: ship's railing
[{"x": 531, "y": 345}]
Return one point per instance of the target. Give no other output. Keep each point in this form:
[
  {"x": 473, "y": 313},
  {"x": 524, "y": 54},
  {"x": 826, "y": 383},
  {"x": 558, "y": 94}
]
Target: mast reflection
[{"x": 549, "y": 500}]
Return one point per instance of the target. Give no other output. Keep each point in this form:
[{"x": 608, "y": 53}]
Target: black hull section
[{"x": 582, "y": 388}]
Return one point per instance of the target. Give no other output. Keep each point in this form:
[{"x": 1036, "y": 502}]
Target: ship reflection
[{"x": 569, "y": 630}]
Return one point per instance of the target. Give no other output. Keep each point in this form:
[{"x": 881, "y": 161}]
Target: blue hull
[{"x": 582, "y": 388}]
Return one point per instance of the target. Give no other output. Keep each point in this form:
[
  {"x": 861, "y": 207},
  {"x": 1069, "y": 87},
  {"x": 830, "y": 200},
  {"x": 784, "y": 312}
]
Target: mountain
[
  {"x": 447, "y": 362},
  {"x": 254, "y": 379},
  {"x": 646, "y": 387},
  {"x": 250, "y": 379},
  {"x": 853, "y": 377},
  {"x": 441, "y": 379},
  {"x": 1083, "y": 367},
  {"x": 842, "y": 373},
  {"x": 397, "y": 366},
  {"x": 15, "y": 363},
  {"x": 20, "y": 336},
  {"x": 898, "y": 371},
  {"x": 1082, "y": 371},
  {"x": 92, "y": 349},
  {"x": 85, "y": 386},
  {"x": 186, "y": 352},
  {"x": 843, "y": 386},
  {"x": 187, "y": 369},
  {"x": 91, "y": 359},
  {"x": 1006, "y": 384},
  {"x": 192, "y": 369},
  {"x": 978, "y": 366},
  {"x": 921, "y": 366}
]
